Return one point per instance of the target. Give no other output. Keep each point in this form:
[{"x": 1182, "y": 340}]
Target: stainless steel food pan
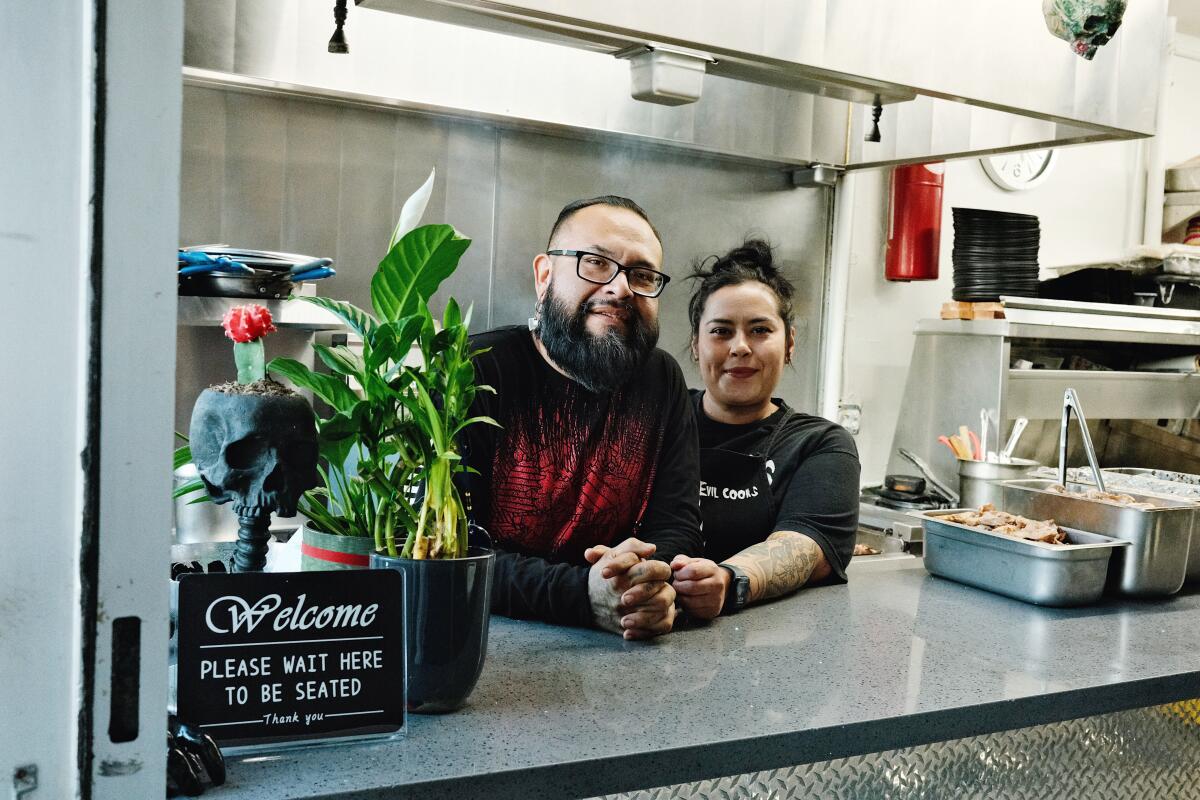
[
  {"x": 1035, "y": 572},
  {"x": 1153, "y": 483},
  {"x": 1162, "y": 474},
  {"x": 1182, "y": 486},
  {"x": 1154, "y": 566}
]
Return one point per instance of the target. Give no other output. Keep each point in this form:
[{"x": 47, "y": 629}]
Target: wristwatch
[{"x": 738, "y": 593}]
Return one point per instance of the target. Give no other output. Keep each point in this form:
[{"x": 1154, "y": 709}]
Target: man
[{"x": 596, "y": 459}]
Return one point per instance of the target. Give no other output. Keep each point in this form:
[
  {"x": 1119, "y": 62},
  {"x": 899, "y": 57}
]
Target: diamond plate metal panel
[{"x": 1150, "y": 752}]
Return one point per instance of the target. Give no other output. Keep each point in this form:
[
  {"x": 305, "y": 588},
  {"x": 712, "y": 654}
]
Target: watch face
[
  {"x": 1018, "y": 171},
  {"x": 743, "y": 590}
]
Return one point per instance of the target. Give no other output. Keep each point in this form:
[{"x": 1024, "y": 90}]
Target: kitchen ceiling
[{"x": 1187, "y": 12}]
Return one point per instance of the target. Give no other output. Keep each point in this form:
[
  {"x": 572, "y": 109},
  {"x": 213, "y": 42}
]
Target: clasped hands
[{"x": 630, "y": 593}]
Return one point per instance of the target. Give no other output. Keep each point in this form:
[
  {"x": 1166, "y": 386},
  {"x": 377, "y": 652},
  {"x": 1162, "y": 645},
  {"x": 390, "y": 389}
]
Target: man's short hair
[{"x": 612, "y": 200}]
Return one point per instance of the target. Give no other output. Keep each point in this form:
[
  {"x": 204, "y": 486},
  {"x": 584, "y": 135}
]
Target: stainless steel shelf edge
[
  {"x": 1128, "y": 324},
  {"x": 207, "y": 311},
  {"x": 1028, "y": 324},
  {"x": 1104, "y": 309},
  {"x": 1037, "y": 393}
]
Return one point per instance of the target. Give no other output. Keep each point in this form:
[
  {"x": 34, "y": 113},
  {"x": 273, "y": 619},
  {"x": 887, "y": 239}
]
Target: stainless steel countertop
[{"x": 892, "y": 659}]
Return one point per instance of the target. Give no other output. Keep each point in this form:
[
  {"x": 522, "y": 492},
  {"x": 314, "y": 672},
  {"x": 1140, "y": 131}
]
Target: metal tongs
[{"x": 1071, "y": 403}]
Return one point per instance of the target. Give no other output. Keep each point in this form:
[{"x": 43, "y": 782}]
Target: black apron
[{"x": 736, "y": 502}]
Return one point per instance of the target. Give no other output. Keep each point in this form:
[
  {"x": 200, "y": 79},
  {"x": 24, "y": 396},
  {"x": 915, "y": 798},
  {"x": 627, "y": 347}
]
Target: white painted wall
[
  {"x": 48, "y": 185},
  {"x": 1181, "y": 137},
  {"x": 143, "y": 96},
  {"x": 1090, "y": 208},
  {"x": 46, "y": 91}
]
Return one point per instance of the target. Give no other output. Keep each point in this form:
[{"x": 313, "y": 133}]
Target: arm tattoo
[{"x": 781, "y": 564}]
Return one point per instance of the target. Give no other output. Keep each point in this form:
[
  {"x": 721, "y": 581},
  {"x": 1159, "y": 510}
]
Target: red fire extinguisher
[{"x": 915, "y": 222}]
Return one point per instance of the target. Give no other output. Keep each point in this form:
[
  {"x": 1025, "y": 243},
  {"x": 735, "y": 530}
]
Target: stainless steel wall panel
[
  {"x": 311, "y": 178},
  {"x": 202, "y": 181},
  {"x": 365, "y": 200},
  {"x": 700, "y": 207},
  {"x": 208, "y": 34},
  {"x": 466, "y": 164},
  {"x": 252, "y": 197},
  {"x": 329, "y": 180},
  {"x": 950, "y": 378}
]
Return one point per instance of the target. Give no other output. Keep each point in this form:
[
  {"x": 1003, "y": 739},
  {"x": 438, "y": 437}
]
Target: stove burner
[
  {"x": 901, "y": 501},
  {"x": 919, "y": 504}
]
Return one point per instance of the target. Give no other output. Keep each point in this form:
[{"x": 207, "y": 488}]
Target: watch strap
[{"x": 736, "y": 577}]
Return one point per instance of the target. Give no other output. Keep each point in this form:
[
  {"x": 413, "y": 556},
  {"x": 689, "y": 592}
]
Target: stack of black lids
[{"x": 995, "y": 253}]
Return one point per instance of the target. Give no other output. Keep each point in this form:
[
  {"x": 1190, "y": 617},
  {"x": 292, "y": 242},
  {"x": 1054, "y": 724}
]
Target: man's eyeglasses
[{"x": 595, "y": 268}]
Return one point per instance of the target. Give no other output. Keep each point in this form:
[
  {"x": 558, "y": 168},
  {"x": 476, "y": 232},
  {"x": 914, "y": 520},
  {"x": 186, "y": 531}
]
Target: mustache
[{"x": 623, "y": 305}]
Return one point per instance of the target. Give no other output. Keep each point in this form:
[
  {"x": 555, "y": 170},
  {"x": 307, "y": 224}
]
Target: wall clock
[{"x": 1016, "y": 172}]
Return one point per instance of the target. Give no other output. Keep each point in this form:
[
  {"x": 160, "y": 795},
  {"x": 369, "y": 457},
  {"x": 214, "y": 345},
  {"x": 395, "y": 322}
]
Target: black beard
[{"x": 602, "y": 364}]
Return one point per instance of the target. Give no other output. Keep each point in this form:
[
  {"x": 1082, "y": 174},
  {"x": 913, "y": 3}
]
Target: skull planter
[{"x": 255, "y": 445}]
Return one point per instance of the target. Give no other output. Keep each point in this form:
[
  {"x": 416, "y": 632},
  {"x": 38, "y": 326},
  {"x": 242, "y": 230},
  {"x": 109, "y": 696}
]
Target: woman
[{"x": 779, "y": 489}]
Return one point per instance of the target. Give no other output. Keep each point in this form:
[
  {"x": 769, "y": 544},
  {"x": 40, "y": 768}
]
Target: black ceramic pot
[{"x": 447, "y": 603}]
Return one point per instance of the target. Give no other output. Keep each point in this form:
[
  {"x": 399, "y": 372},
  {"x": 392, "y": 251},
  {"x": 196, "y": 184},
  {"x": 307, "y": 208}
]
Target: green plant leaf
[
  {"x": 413, "y": 269},
  {"x": 382, "y": 347},
  {"x": 182, "y": 456},
  {"x": 338, "y": 429},
  {"x": 473, "y": 420},
  {"x": 189, "y": 487},
  {"x": 465, "y": 374},
  {"x": 392, "y": 342},
  {"x": 355, "y": 318},
  {"x": 382, "y": 392},
  {"x": 432, "y": 419},
  {"x": 452, "y": 316},
  {"x": 340, "y": 359},
  {"x": 326, "y": 387}
]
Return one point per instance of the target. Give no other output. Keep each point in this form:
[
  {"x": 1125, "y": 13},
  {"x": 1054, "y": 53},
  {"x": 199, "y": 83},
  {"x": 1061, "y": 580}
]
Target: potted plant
[
  {"x": 253, "y": 440},
  {"x": 391, "y": 453}
]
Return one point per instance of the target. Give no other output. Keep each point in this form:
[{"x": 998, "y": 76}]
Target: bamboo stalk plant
[{"x": 390, "y": 451}]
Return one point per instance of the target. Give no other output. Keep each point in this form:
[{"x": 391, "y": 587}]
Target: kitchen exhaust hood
[
  {"x": 728, "y": 38},
  {"x": 789, "y": 82}
]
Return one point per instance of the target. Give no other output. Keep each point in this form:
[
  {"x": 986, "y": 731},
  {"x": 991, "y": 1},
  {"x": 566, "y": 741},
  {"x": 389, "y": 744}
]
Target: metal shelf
[
  {"x": 207, "y": 311},
  {"x": 1071, "y": 327},
  {"x": 1038, "y": 394}
]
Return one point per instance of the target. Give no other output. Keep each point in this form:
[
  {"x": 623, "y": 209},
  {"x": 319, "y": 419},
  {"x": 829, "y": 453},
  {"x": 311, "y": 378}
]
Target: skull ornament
[
  {"x": 1087, "y": 25},
  {"x": 259, "y": 451}
]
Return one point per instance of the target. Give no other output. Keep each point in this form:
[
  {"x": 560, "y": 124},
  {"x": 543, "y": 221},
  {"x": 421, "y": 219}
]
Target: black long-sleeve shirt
[{"x": 569, "y": 469}]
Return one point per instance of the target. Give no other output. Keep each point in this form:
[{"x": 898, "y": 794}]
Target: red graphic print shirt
[{"x": 570, "y": 469}]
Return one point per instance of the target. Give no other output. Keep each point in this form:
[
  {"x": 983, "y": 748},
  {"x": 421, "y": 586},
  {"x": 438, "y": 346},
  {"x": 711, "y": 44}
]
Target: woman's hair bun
[
  {"x": 752, "y": 260},
  {"x": 754, "y": 254}
]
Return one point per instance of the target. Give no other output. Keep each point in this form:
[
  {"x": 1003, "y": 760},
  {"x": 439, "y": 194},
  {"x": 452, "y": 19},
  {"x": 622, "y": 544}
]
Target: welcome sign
[{"x": 281, "y": 657}]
